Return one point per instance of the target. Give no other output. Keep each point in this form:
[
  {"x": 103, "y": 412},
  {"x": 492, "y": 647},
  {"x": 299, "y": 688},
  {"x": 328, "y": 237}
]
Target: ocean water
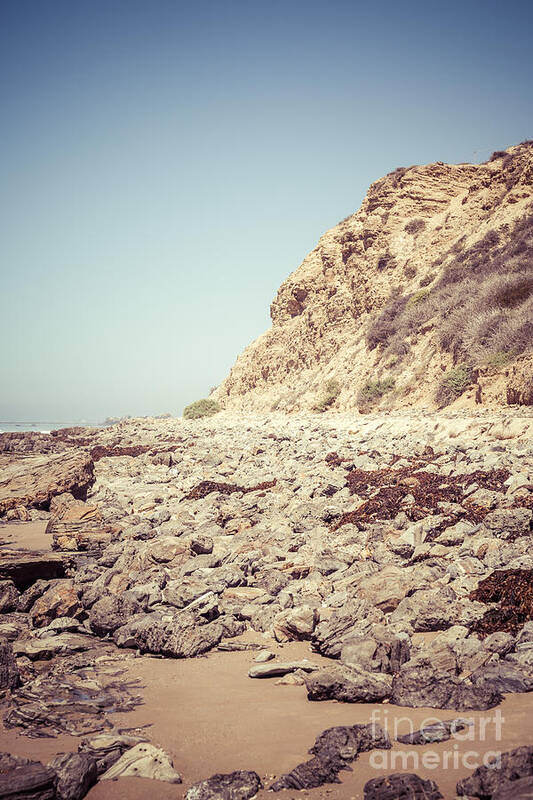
[{"x": 42, "y": 427}]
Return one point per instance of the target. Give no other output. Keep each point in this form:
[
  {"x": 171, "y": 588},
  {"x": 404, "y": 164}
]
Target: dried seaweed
[
  {"x": 513, "y": 590},
  {"x": 204, "y": 488}
]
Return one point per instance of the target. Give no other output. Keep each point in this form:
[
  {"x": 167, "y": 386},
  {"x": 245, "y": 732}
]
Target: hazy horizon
[{"x": 165, "y": 167}]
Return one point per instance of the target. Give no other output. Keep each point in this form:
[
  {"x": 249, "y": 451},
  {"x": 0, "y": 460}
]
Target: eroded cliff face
[{"x": 414, "y": 227}]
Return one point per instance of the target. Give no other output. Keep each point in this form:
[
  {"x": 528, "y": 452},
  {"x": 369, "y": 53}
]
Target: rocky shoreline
[{"x": 395, "y": 548}]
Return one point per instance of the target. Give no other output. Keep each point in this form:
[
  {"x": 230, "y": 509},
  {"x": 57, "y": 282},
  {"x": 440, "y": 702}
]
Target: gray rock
[
  {"x": 22, "y": 779},
  {"x": 9, "y": 597},
  {"x": 9, "y": 673},
  {"x": 401, "y": 786},
  {"x": 76, "y": 773},
  {"x": 418, "y": 684},
  {"x": 278, "y": 668},
  {"x": 485, "y": 781},
  {"x": 348, "y": 685},
  {"x": 240, "y": 785}
]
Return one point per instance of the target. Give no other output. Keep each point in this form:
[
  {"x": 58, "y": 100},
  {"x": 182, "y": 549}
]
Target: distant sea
[{"x": 43, "y": 427}]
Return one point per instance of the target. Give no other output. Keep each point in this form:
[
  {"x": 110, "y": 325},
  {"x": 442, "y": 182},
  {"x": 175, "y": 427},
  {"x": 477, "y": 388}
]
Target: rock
[
  {"x": 427, "y": 610},
  {"x": 379, "y": 651},
  {"x": 521, "y": 789},
  {"x": 295, "y": 623},
  {"x": 76, "y": 773},
  {"x": 80, "y": 526},
  {"x": 330, "y": 636},
  {"x": 106, "y": 748},
  {"x": 9, "y": 673},
  {"x": 438, "y": 732},
  {"x": 485, "y": 781},
  {"x": 22, "y": 779},
  {"x": 508, "y": 523},
  {"x": 400, "y": 787},
  {"x": 28, "y": 598},
  {"x": 263, "y": 656},
  {"x": 8, "y": 597},
  {"x": 34, "y": 480},
  {"x": 348, "y": 685},
  {"x": 201, "y": 544},
  {"x": 59, "y": 600},
  {"x": 44, "y": 648},
  {"x": 274, "y": 670},
  {"x": 240, "y": 785},
  {"x": 143, "y": 761},
  {"x": 503, "y": 677},
  {"x": 333, "y": 751},
  {"x": 419, "y": 684},
  {"x": 174, "y": 635}
]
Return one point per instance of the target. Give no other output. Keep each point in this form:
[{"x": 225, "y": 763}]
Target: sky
[{"x": 164, "y": 166}]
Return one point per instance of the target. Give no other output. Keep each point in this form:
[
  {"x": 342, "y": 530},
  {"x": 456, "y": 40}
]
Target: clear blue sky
[{"x": 165, "y": 165}]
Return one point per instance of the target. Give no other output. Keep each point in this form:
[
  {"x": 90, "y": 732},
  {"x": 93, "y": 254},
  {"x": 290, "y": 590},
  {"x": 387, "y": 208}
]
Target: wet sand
[{"x": 210, "y": 717}]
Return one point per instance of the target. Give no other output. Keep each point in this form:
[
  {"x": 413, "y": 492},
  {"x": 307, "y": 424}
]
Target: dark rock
[
  {"x": 9, "y": 674},
  {"x": 419, "y": 684},
  {"x": 76, "y": 773},
  {"x": 25, "y": 570},
  {"x": 521, "y": 789},
  {"x": 28, "y": 598},
  {"x": 348, "y": 685},
  {"x": 22, "y": 779},
  {"x": 439, "y": 732},
  {"x": 239, "y": 785},
  {"x": 486, "y": 780},
  {"x": 406, "y": 786},
  {"x": 503, "y": 677},
  {"x": 201, "y": 544},
  {"x": 175, "y": 635},
  {"x": 111, "y": 612},
  {"x": 8, "y": 597},
  {"x": 333, "y": 751}
]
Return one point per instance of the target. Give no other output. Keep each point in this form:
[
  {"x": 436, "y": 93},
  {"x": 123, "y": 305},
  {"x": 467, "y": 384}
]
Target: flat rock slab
[
  {"x": 26, "y": 568},
  {"x": 21, "y": 778},
  {"x": 276, "y": 669},
  {"x": 33, "y": 480}
]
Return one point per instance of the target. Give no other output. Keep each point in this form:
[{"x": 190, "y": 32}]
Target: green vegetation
[
  {"x": 374, "y": 390},
  {"x": 481, "y": 303},
  {"x": 496, "y": 361},
  {"x": 201, "y": 408},
  {"x": 453, "y": 384},
  {"x": 330, "y": 392}
]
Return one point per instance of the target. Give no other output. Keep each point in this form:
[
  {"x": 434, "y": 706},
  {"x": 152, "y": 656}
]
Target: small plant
[
  {"x": 330, "y": 392},
  {"x": 414, "y": 226},
  {"x": 498, "y": 360},
  {"x": 454, "y": 383},
  {"x": 374, "y": 390},
  {"x": 417, "y": 297},
  {"x": 409, "y": 271},
  {"x": 201, "y": 408}
]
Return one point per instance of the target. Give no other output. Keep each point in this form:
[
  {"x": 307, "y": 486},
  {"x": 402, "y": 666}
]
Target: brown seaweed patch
[{"x": 513, "y": 590}]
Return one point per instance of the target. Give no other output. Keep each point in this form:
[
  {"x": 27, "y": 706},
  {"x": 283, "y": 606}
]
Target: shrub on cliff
[
  {"x": 454, "y": 383},
  {"x": 330, "y": 392},
  {"x": 201, "y": 408},
  {"x": 374, "y": 390}
]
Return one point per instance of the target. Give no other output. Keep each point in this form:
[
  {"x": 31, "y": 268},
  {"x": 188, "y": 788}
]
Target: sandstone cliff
[{"x": 423, "y": 297}]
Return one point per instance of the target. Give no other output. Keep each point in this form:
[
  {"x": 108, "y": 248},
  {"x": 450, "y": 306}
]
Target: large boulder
[
  {"x": 401, "y": 786},
  {"x": 79, "y": 526},
  {"x": 419, "y": 683},
  {"x": 34, "y": 480},
  {"x": 239, "y": 785},
  {"x": 178, "y": 635},
  {"x": 59, "y": 600},
  {"x": 348, "y": 685},
  {"x": 22, "y": 779},
  {"x": 353, "y": 618},
  {"x": 76, "y": 773},
  {"x": 295, "y": 623},
  {"x": 485, "y": 781}
]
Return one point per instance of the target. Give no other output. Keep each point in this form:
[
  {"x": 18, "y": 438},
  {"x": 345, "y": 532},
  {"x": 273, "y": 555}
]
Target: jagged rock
[
  {"x": 275, "y": 669},
  {"x": 9, "y": 673},
  {"x": 380, "y": 651},
  {"x": 295, "y": 623},
  {"x": 485, "y": 781},
  {"x": 176, "y": 635},
  {"x": 521, "y": 789},
  {"x": 333, "y": 751},
  {"x": 76, "y": 773},
  {"x": 508, "y": 523},
  {"x": 401, "y": 787},
  {"x": 79, "y": 526},
  {"x": 201, "y": 544},
  {"x": 348, "y": 685},
  {"x": 240, "y": 785},
  {"x": 438, "y": 732},
  {"x": 9, "y": 597},
  {"x": 28, "y": 598},
  {"x": 427, "y": 610},
  {"x": 34, "y": 480},
  {"x": 59, "y": 600},
  {"x": 143, "y": 761},
  {"x": 22, "y": 779},
  {"x": 330, "y": 636},
  {"x": 44, "y": 648},
  {"x": 106, "y": 748},
  {"x": 418, "y": 684},
  {"x": 503, "y": 677}
]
